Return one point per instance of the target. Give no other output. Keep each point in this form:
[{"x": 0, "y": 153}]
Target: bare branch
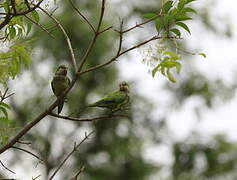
[
  {"x": 106, "y": 29},
  {"x": 23, "y": 142},
  {"x": 14, "y": 147},
  {"x": 101, "y": 15},
  {"x": 7, "y": 168},
  {"x": 120, "y": 38},
  {"x": 94, "y": 38},
  {"x": 86, "y": 119},
  {"x": 78, "y": 173},
  {"x": 75, "y": 148},
  {"x": 140, "y": 25},
  {"x": 78, "y": 11},
  {"x": 4, "y": 95},
  {"x": 40, "y": 26},
  {"x": 66, "y": 37}
]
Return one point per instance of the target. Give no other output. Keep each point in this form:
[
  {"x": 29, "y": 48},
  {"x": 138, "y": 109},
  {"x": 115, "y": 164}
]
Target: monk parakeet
[
  {"x": 60, "y": 83},
  {"x": 114, "y": 100}
]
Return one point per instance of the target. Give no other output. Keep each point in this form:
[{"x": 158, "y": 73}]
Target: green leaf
[
  {"x": 176, "y": 32},
  {"x": 173, "y": 55},
  {"x": 189, "y": 1},
  {"x": 6, "y": 6},
  {"x": 167, "y": 6},
  {"x": 178, "y": 67},
  {"x": 162, "y": 70},
  {"x": 182, "y": 17},
  {"x": 29, "y": 25},
  {"x": 158, "y": 24},
  {"x": 203, "y": 54},
  {"x": 181, "y": 4},
  {"x": 154, "y": 71},
  {"x": 4, "y": 105},
  {"x": 167, "y": 20},
  {"x": 3, "y": 119},
  {"x": 23, "y": 54},
  {"x": 12, "y": 32},
  {"x": 35, "y": 16},
  {"x": 20, "y": 33},
  {"x": 184, "y": 26},
  {"x": 188, "y": 9},
  {"x": 4, "y": 111},
  {"x": 149, "y": 15},
  {"x": 169, "y": 63},
  {"x": 170, "y": 76}
]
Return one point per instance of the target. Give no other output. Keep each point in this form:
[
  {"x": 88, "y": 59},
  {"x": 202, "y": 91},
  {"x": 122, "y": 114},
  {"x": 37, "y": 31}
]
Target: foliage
[
  {"x": 11, "y": 61},
  {"x": 171, "y": 17},
  {"x": 19, "y": 17}
]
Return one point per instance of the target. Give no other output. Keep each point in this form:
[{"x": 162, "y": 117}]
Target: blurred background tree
[{"x": 118, "y": 148}]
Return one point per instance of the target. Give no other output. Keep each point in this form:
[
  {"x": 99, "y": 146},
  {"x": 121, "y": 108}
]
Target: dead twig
[
  {"x": 27, "y": 151},
  {"x": 7, "y": 168},
  {"x": 75, "y": 148},
  {"x": 86, "y": 119}
]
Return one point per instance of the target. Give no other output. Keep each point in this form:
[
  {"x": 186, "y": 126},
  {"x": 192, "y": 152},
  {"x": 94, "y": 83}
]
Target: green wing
[{"x": 111, "y": 100}]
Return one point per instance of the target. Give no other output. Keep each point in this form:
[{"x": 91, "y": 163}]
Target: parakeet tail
[{"x": 60, "y": 106}]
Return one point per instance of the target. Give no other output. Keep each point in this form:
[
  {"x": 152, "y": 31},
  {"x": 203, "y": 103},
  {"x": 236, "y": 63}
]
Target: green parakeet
[
  {"x": 114, "y": 100},
  {"x": 60, "y": 83}
]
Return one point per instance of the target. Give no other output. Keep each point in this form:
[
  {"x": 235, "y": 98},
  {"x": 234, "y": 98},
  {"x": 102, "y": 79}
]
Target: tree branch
[
  {"x": 7, "y": 168},
  {"x": 32, "y": 123},
  {"x": 78, "y": 11},
  {"x": 85, "y": 119},
  {"x": 94, "y": 38},
  {"x": 78, "y": 173},
  {"x": 74, "y": 64},
  {"x": 24, "y": 150},
  {"x": 75, "y": 148},
  {"x": 40, "y": 26}
]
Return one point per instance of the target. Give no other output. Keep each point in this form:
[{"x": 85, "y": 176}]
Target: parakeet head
[
  {"x": 123, "y": 86},
  {"x": 62, "y": 70}
]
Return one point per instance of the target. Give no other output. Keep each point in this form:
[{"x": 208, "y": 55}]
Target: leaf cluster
[
  {"x": 11, "y": 61},
  {"x": 172, "y": 16},
  {"x": 168, "y": 22},
  {"x": 168, "y": 61}
]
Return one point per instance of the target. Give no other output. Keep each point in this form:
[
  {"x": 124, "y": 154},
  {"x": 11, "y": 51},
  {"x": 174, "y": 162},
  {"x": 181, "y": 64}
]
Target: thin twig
[
  {"x": 27, "y": 4},
  {"x": 90, "y": 47},
  {"x": 66, "y": 37},
  {"x": 78, "y": 173},
  {"x": 86, "y": 119},
  {"x": 120, "y": 38},
  {"x": 40, "y": 26},
  {"x": 78, "y": 11},
  {"x": 36, "y": 177},
  {"x": 23, "y": 142},
  {"x": 14, "y": 147},
  {"x": 4, "y": 95},
  {"x": 7, "y": 168},
  {"x": 106, "y": 29},
  {"x": 75, "y": 148},
  {"x": 139, "y": 25}
]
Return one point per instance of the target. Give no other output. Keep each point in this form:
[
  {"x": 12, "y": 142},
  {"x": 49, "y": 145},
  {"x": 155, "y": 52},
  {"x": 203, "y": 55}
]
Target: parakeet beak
[
  {"x": 124, "y": 87},
  {"x": 62, "y": 70}
]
